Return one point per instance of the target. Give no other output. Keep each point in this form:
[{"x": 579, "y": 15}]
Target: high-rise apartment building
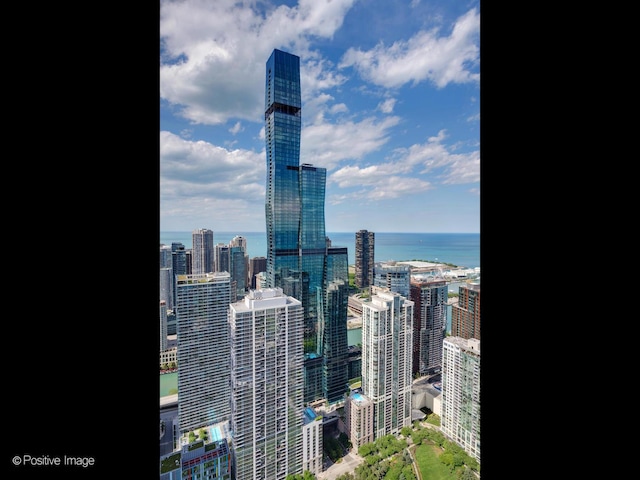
[
  {"x": 239, "y": 241},
  {"x": 365, "y": 258},
  {"x": 312, "y": 451},
  {"x": 202, "y": 251},
  {"x": 294, "y": 213},
  {"x": 387, "y": 342},
  {"x": 396, "y": 278},
  {"x": 465, "y": 315},
  {"x": 460, "y": 419},
  {"x": 203, "y": 349},
  {"x": 266, "y": 385},
  {"x": 358, "y": 411},
  {"x": 429, "y": 296}
]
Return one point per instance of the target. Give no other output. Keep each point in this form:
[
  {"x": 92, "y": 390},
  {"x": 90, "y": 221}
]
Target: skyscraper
[
  {"x": 460, "y": 419},
  {"x": 163, "y": 325},
  {"x": 294, "y": 213},
  {"x": 203, "y": 349},
  {"x": 222, "y": 258},
  {"x": 465, "y": 315},
  {"x": 266, "y": 385},
  {"x": 387, "y": 339},
  {"x": 202, "y": 251},
  {"x": 256, "y": 265},
  {"x": 238, "y": 271},
  {"x": 365, "y": 258},
  {"x": 429, "y": 296}
]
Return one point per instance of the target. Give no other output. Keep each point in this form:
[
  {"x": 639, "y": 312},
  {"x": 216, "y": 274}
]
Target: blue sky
[{"x": 390, "y": 107}]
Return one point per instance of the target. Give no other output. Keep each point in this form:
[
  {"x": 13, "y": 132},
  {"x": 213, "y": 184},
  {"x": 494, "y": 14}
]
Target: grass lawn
[{"x": 431, "y": 468}]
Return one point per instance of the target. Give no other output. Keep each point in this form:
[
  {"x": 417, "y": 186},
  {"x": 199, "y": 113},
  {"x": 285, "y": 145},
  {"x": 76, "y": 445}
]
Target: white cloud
[
  {"x": 326, "y": 145},
  {"x": 425, "y": 56},
  {"x": 236, "y": 128},
  {"x": 387, "y": 105},
  {"x": 202, "y": 40}
]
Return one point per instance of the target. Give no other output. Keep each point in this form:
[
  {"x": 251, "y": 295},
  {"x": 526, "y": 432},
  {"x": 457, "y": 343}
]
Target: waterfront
[{"x": 460, "y": 249}]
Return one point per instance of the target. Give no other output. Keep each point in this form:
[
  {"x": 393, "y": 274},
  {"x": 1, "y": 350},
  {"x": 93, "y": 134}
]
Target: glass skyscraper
[{"x": 294, "y": 213}]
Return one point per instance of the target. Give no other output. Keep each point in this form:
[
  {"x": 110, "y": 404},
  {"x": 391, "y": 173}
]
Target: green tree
[
  {"x": 447, "y": 459},
  {"x": 466, "y": 474},
  {"x": 366, "y": 449}
]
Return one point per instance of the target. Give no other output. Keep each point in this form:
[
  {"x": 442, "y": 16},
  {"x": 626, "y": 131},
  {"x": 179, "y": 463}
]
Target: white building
[
  {"x": 203, "y": 349},
  {"x": 387, "y": 344},
  {"x": 267, "y": 382},
  {"x": 312, "y": 441},
  {"x": 460, "y": 419}
]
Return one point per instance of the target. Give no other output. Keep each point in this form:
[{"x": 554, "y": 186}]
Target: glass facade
[
  {"x": 429, "y": 324},
  {"x": 295, "y": 222}
]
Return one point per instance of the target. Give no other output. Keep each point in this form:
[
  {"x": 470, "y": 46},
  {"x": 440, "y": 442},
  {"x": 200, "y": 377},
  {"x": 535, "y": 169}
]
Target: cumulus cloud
[
  {"x": 425, "y": 56},
  {"x": 202, "y": 40}
]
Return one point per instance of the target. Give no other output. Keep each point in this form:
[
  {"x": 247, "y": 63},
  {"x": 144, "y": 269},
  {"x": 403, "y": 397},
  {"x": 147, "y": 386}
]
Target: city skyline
[{"x": 390, "y": 102}]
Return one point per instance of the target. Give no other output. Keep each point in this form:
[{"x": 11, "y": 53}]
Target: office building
[
  {"x": 335, "y": 348},
  {"x": 163, "y": 325},
  {"x": 460, "y": 419},
  {"x": 465, "y": 315},
  {"x": 222, "y": 257},
  {"x": 202, "y": 251},
  {"x": 203, "y": 349},
  {"x": 358, "y": 411},
  {"x": 179, "y": 259},
  {"x": 165, "y": 256},
  {"x": 167, "y": 283},
  {"x": 387, "y": 342},
  {"x": 365, "y": 258},
  {"x": 429, "y": 295},
  {"x": 181, "y": 265},
  {"x": 354, "y": 362},
  {"x": 392, "y": 276},
  {"x": 238, "y": 271},
  {"x": 172, "y": 323},
  {"x": 294, "y": 209},
  {"x": 256, "y": 265},
  {"x": 267, "y": 385}
]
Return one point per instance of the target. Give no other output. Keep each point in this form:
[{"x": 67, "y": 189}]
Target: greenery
[
  {"x": 196, "y": 445},
  {"x": 170, "y": 463},
  {"x": 435, "y": 457},
  {"x": 306, "y": 475},
  {"x": 433, "y": 419}
]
